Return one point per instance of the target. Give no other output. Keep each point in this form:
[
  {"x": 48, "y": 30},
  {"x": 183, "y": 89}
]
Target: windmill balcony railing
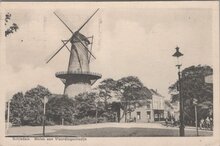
[{"x": 78, "y": 72}]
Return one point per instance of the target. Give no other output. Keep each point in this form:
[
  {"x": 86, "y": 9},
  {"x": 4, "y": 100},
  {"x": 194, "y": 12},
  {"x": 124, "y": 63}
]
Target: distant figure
[
  {"x": 201, "y": 123},
  {"x": 207, "y": 121},
  {"x": 135, "y": 119},
  {"x": 166, "y": 121},
  {"x": 172, "y": 122},
  {"x": 211, "y": 123}
]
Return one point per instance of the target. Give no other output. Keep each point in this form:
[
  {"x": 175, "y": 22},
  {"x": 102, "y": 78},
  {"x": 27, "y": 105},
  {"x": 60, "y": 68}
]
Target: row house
[{"x": 151, "y": 110}]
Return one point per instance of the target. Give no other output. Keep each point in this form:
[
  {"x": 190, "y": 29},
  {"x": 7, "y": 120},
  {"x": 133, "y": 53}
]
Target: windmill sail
[{"x": 59, "y": 50}]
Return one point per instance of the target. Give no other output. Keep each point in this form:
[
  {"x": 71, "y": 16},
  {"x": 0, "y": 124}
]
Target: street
[{"x": 106, "y": 130}]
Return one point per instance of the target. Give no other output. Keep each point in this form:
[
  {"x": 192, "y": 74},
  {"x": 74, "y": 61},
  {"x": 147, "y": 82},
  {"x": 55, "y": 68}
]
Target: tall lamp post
[{"x": 178, "y": 54}]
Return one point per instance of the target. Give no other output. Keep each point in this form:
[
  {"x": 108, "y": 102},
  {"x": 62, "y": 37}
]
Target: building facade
[
  {"x": 150, "y": 111},
  {"x": 157, "y": 106}
]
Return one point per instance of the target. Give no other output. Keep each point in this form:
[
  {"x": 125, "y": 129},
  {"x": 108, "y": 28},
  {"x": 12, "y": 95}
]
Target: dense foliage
[
  {"x": 193, "y": 86},
  {"x": 60, "y": 108},
  {"x": 100, "y": 105},
  {"x": 11, "y": 28},
  {"x": 27, "y": 109}
]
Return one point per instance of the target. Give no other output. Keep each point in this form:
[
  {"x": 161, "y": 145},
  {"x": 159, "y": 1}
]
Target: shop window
[
  {"x": 156, "y": 115},
  {"x": 138, "y": 115},
  {"x": 148, "y": 115}
]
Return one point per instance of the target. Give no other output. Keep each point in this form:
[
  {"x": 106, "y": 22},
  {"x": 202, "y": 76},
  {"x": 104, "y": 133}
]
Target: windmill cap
[{"x": 82, "y": 37}]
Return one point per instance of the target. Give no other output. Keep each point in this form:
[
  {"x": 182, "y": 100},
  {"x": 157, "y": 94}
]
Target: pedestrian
[
  {"x": 201, "y": 124},
  {"x": 166, "y": 121},
  {"x": 211, "y": 123},
  {"x": 207, "y": 121},
  {"x": 172, "y": 122}
]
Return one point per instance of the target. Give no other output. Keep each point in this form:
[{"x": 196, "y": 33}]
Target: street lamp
[{"x": 178, "y": 54}]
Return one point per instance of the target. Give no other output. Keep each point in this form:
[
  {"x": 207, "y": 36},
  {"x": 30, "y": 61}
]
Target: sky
[{"x": 138, "y": 42}]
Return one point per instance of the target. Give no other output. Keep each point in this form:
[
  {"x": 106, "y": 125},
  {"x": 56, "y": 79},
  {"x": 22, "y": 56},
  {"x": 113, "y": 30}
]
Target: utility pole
[
  {"x": 8, "y": 116},
  {"x": 196, "y": 116},
  {"x": 45, "y": 100},
  {"x": 62, "y": 122},
  {"x": 96, "y": 113}
]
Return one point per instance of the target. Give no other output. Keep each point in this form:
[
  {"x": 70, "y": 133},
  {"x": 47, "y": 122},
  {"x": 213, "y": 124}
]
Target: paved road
[{"x": 106, "y": 130}]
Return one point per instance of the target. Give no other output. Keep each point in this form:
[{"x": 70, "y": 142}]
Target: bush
[
  {"x": 85, "y": 120},
  {"x": 50, "y": 123},
  {"x": 102, "y": 120},
  {"x": 16, "y": 122}
]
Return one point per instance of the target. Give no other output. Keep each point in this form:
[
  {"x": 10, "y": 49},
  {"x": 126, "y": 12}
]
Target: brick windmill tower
[{"x": 78, "y": 78}]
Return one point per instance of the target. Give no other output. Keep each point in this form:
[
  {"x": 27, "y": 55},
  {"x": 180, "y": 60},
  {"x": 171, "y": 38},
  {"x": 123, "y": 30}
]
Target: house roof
[
  {"x": 168, "y": 104},
  {"x": 155, "y": 93}
]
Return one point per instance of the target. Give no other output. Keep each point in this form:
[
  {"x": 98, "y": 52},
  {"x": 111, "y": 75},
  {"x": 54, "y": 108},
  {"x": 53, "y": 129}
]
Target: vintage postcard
[{"x": 109, "y": 73}]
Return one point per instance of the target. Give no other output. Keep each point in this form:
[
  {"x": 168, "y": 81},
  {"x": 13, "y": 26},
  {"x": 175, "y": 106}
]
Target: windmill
[{"x": 78, "y": 78}]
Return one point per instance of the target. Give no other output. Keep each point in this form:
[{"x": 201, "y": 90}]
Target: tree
[
  {"x": 130, "y": 91},
  {"x": 28, "y": 109},
  {"x": 16, "y": 108},
  {"x": 106, "y": 90},
  {"x": 12, "y": 27},
  {"x": 39, "y": 92},
  {"x": 60, "y": 107},
  {"x": 193, "y": 86},
  {"x": 85, "y": 105},
  {"x": 133, "y": 94}
]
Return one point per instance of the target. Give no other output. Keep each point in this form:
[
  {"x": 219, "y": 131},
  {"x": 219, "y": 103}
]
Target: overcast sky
[{"x": 128, "y": 41}]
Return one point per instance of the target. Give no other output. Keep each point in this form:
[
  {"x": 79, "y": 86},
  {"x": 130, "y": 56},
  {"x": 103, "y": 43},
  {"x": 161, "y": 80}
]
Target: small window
[
  {"x": 138, "y": 115},
  {"x": 148, "y": 115}
]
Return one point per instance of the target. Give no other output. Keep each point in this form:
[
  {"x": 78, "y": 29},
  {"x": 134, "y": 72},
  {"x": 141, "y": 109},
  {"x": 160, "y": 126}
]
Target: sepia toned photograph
[{"x": 110, "y": 70}]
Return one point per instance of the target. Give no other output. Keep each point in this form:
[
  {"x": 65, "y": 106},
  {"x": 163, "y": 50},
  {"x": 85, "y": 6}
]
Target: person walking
[
  {"x": 207, "y": 121},
  {"x": 211, "y": 123},
  {"x": 201, "y": 123},
  {"x": 172, "y": 122},
  {"x": 135, "y": 119},
  {"x": 166, "y": 121}
]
